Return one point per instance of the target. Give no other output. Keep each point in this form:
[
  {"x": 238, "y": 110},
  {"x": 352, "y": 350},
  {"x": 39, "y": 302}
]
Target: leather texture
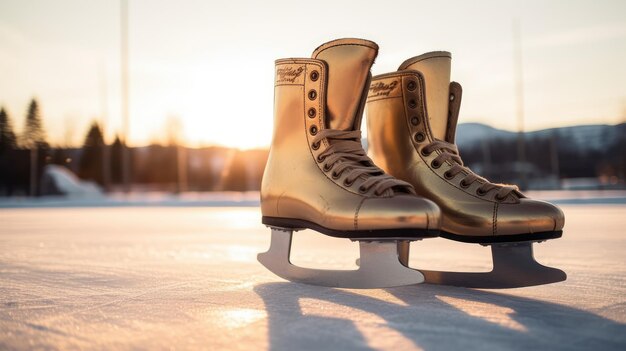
[
  {"x": 400, "y": 125},
  {"x": 349, "y": 63},
  {"x": 310, "y": 95},
  {"x": 435, "y": 67}
]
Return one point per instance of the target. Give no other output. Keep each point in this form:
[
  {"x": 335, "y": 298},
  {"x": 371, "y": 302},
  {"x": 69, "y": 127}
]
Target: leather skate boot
[
  {"x": 412, "y": 116},
  {"x": 317, "y": 175}
]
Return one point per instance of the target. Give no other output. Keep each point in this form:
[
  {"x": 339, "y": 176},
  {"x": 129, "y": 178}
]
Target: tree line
[
  {"x": 176, "y": 168},
  {"x": 550, "y": 157},
  {"x": 170, "y": 167}
]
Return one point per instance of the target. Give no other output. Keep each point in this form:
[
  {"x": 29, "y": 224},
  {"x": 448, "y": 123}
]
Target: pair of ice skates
[{"x": 414, "y": 186}]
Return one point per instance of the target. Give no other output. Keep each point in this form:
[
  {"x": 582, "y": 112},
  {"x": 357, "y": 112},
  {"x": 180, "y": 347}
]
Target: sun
[{"x": 214, "y": 105}]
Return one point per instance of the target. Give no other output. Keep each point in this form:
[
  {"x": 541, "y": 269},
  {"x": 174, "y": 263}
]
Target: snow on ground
[
  {"x": 187, "y": 278},
  {"x": 67, "y": 183}
]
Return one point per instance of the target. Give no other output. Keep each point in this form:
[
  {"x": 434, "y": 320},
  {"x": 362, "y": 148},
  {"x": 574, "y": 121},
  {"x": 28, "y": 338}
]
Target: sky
[{"x": 208, "y": 66}]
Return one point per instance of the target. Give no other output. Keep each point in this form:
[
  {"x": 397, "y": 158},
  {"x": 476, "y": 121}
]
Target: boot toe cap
[
  {"x": 398, "y": 212},
  {"x": 529, "y": 216}
]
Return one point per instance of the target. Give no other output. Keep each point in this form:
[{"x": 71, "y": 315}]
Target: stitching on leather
[
  {"x": 288, "y": 84},
  {"x": 495, "y": 218},
  {"x": 293, "y": 61},
  {"x": 414, "y": 60},
  {"x": 356, "y": 214},
  {"x": 321, "y": 101},
  {"x": 277, "y": 203},
  {"x": 350, "y": 44},
  {"x": 378, "y": 99},
  {"x": 392, "y": 74},
  {"x": 422, "y": 97}
]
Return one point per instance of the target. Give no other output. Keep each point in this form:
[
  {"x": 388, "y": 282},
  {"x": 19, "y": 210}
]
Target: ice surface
[
  {"x": 141, "y": 199},
  {"x": 187, "y": 278}
]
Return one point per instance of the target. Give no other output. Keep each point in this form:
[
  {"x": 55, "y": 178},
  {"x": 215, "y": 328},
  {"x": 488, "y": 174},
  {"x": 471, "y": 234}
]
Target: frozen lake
[{"x": 187, "y": 278}]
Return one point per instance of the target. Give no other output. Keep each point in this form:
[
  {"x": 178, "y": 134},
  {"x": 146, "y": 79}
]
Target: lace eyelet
[
  {"x": 320, "y": 159},
  {"x": 312, "y": 112},
  {"x": 435, "y": 164},
  {"x": 412, "y": 103},
  {"x": 424, "y": 153},
  {"x": 336, "y": 175},
  {"x": 463, "y": 184},
  {"x": 415, "y": 120},
  {"x": 314, "y": 76},
  {"x": 448, "y": 176},
  {"x": 411, "y": 86},
  {"x": 347, "y": 183},
  {"x": 362, "y": 190},
  {"x": 312, "y": 94},
  {"x": 315, "y": 145},
  {"x": 498, "y": 198},
  {"x": 419, "y": 137},
  {"x": 313, "y": 130},
  {"x": 327, "y": 167},
  {"x": 480, "y": 192}
]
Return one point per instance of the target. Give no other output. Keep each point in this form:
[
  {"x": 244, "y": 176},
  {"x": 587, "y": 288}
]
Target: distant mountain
[
  {"x": 469, "y": 134},
  {"x": 594, "y": 137}
]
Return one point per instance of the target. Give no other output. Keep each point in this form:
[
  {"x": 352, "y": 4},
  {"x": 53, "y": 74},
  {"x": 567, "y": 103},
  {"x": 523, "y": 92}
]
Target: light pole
[
  {"x": 519, "y": 93},
  {"x": 106, "y": 158},
  {"x": 125, "y": 110}
]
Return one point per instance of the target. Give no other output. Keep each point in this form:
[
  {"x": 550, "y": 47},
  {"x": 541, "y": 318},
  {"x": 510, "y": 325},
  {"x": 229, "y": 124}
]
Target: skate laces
[
  {"x": 345, "y": 154},
  {"x": 450, "y": 152}
]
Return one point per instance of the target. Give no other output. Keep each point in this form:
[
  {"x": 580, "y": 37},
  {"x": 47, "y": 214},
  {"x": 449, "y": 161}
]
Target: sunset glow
[{"x": 211, "y": 66}]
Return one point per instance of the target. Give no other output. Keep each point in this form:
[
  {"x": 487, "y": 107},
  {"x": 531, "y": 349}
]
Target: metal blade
[
  {"x": 514, "y": 266},
  {"x": 379, "y": 266}
]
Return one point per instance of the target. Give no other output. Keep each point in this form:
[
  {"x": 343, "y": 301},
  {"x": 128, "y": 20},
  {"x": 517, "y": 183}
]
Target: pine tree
[
  {"x": 34, "y": 135},
  {"x": 7, "y": 136},
  {"x": 90, "y": 166},
  {"x": 116, "y": 160},
  {"x": 94, "y": 136}
]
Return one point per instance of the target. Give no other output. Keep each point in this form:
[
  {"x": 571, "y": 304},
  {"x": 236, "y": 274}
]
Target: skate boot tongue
[
  {"x": 349, "y": 62},
  {"x": 435, "y": 67}
]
